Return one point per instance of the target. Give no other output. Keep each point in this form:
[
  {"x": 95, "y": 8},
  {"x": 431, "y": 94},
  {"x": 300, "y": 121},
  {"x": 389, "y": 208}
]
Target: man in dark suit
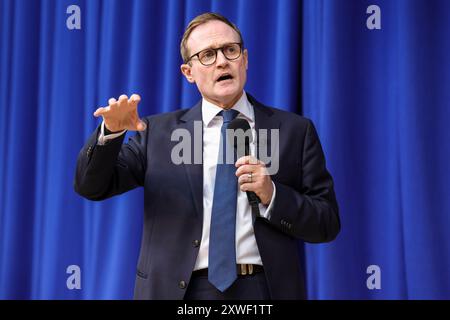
[{"x": 202, "y": 239}]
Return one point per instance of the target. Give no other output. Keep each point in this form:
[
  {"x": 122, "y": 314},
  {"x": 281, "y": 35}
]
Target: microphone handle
[{"x": 251, "y": 196}]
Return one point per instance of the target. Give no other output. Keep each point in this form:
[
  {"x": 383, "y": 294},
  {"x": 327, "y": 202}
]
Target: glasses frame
[{"x": 215, "y": 51}]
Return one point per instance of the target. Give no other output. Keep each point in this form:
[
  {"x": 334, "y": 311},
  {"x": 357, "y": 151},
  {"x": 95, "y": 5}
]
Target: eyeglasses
[{"x": 207, "y": 57}]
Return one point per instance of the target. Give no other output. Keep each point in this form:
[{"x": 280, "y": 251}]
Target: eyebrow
[{"x": 216, "y": 47}]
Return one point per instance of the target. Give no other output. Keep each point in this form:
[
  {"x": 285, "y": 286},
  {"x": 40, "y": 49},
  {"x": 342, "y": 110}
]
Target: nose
[{"x": 220, "y": 59}]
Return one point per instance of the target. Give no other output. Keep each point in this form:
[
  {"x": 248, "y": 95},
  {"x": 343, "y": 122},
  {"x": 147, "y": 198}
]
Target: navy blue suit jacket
[{"x": 305, "y": 206}]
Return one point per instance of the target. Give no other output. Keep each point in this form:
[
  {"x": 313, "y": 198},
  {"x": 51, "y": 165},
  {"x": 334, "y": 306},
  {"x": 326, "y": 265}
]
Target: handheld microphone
[{"x": 253, "y": 199}]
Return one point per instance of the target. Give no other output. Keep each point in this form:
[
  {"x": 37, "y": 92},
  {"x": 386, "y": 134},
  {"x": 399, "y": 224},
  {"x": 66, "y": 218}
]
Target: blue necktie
[{"x": 222, "y": 248}]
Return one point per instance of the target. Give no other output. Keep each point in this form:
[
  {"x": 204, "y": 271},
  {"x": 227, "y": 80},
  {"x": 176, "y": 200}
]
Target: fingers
[
  {"x": 247, "y": 187},
  {"x": 247, "y": 160},
  {"x": 100, "y": 111},
  {"x": 258, "y": 182},
  {"x": 126, "y": 106},
  {"x": 135, "y": 98},
  {"x": 247, "y": 178},
  {"x": 123, "y": 101},
  {"x": 253, "y": 176},
  {"x": 141, "y": 126},
  {"x": 134, "y": 101},
  {"x": 247, "y": 168}
]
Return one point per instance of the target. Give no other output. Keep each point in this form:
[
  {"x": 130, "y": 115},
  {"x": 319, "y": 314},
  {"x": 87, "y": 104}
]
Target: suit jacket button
[
  {"x": 182, "y": 284},
  {"x": 196, "y": 243}
]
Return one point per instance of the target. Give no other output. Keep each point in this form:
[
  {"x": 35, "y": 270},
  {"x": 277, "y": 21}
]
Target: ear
[
  {"x": 186, "y": 70},
  {"x": 246, "y": 59}
]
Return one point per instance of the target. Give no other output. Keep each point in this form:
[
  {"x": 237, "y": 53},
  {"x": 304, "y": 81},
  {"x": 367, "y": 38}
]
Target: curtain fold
[{"x": 380, "y": 100}]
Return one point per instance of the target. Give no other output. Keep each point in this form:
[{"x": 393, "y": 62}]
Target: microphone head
[
  {"x": 240, "y": 124},
  {"x": 242, "y": 139}
]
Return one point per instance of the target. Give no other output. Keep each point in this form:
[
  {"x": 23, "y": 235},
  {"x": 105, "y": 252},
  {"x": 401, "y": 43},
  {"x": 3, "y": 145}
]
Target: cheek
[
  {"x": 242, "y": 68},
  {"x": 243, "y": 72},
  {"x": 204, "y": 79}
]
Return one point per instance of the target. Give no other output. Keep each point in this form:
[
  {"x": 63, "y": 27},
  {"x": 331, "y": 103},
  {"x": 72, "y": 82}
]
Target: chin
[{"x": 227, "y": 93}]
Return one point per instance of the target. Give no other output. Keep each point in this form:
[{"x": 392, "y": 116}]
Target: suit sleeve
[
  {"x": 311, "y": 213},
  {"x": 114, "y": 168}
]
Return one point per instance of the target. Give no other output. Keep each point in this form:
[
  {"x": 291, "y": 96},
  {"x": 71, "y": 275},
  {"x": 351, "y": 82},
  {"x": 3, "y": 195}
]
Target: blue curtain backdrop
[{"x": 380, "y": 100}]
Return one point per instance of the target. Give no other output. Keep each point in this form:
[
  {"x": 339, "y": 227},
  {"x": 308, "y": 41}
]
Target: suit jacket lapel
[
  {"x": 194, "y": 171},
  {"x": 263, "y": 120}
]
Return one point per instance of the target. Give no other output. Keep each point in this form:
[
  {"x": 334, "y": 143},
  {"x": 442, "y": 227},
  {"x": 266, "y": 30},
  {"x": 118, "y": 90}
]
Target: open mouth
[{"x": 224, "y": 77}]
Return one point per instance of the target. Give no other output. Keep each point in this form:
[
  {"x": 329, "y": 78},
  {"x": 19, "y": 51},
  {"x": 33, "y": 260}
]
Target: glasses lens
[
  {"x": 232, "y": 51},
  {"x": 207, "y": 56}
]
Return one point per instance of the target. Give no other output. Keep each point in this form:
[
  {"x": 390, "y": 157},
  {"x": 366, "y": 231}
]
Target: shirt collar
[{"x": 210, "y": 110}]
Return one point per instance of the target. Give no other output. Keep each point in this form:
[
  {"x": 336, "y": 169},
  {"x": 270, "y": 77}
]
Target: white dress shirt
[{"x": 246, "y": 247}]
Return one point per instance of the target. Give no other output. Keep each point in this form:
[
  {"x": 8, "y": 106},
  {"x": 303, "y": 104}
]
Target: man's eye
[
  {"x": 230, "y": 49},
  {"x": 208, "y": 54}
]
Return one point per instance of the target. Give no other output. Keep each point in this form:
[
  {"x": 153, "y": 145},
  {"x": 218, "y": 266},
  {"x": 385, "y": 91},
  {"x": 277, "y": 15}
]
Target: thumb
[{"x": 141, "y": 126}]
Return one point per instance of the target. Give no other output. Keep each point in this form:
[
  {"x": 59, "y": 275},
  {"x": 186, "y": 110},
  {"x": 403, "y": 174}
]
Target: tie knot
[{"x": 228, "y": 115}]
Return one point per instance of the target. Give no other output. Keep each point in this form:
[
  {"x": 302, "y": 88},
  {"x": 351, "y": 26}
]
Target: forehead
[{"x": 211, "y": 34}]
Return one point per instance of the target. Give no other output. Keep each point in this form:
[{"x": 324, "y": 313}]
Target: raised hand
[{"x": 122, "y": 114}]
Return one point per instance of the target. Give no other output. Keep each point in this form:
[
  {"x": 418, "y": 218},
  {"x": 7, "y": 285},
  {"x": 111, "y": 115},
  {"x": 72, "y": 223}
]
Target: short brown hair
[{"x": 201, "y": 19}]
